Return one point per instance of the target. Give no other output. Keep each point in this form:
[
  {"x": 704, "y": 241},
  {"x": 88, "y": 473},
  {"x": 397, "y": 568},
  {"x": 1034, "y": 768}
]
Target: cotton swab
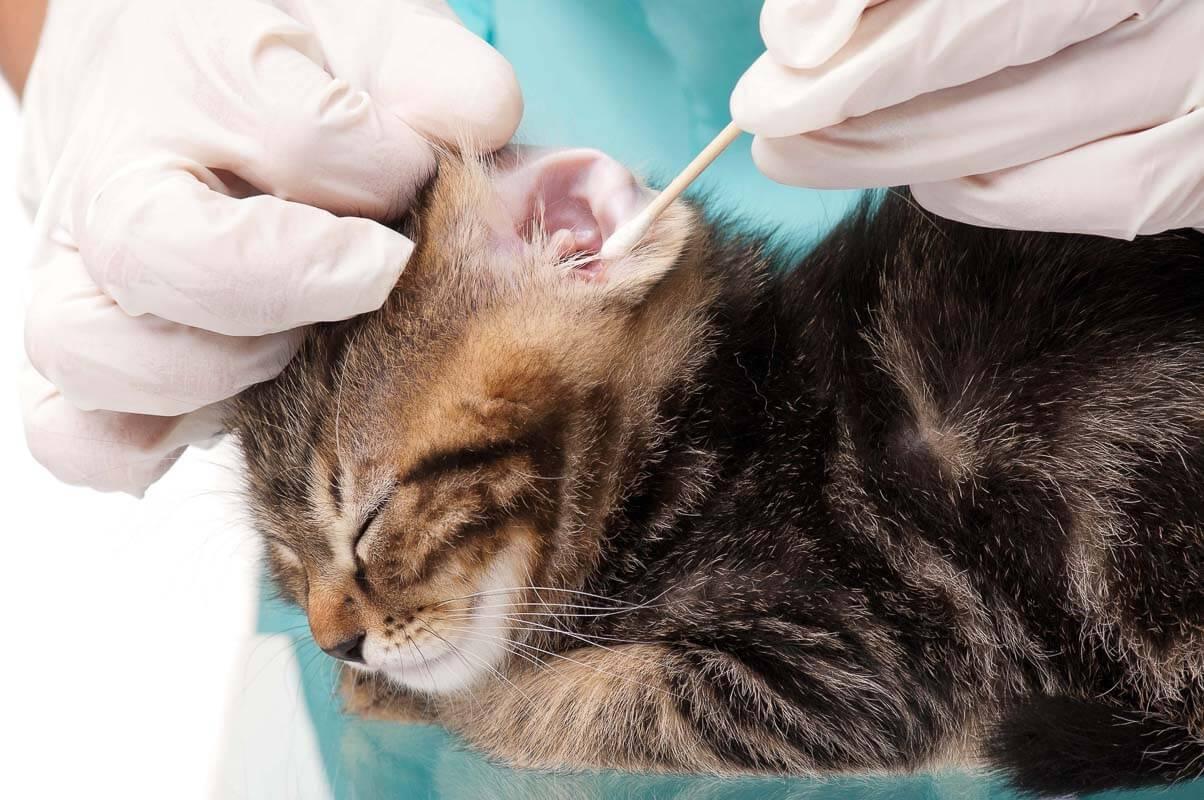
[{"x": 628, "y": 235}]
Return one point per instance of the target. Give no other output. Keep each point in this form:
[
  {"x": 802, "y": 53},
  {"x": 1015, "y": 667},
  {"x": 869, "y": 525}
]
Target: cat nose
[{"x": 349, "y": 649}]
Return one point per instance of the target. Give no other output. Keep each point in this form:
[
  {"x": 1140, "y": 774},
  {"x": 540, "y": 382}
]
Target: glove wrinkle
[
  {"x": 1018, "y": 114},
  {"x": 205, "y": 178}
]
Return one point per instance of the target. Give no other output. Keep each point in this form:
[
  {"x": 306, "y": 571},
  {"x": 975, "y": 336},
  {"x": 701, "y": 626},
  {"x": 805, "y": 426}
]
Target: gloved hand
[
  {"x": 1030, "y": 114},
  {"x": 179, "y": 155}
]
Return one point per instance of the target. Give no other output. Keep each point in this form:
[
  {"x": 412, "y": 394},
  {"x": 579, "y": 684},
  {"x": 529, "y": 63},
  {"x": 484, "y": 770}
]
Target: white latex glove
[
  {"x": 1056, "y": 115},
  {"x": 178, "y": 153}
]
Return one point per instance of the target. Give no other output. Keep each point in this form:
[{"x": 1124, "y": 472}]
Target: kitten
[{"x": 931, "y": 496}]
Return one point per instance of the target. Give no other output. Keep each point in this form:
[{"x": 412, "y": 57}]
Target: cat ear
[{"x": 568, "y": 202}]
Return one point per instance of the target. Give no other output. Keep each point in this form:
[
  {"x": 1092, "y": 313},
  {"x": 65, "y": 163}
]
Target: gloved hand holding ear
[
  {"x": 1027, "y": 114},
  {"x": 202, "y": 174}
]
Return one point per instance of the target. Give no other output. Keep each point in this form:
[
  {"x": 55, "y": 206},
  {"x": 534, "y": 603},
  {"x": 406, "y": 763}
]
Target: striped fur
[{"x": 854, "y": 514}]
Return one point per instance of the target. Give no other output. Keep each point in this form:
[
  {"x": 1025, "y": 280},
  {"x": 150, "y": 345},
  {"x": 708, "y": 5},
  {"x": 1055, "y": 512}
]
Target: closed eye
[
  {"x": 373, "y": 513},
  {"x": 366, "y": 523},
  {"x": 383, "y": 496}
]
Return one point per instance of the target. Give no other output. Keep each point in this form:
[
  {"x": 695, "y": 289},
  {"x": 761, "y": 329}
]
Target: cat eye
[
  {"x": 373, "y": 513},
  {"x": 369, "y": 518},
  {"x": 360, "y": 567},
  {"x": 359, "y": 537}
]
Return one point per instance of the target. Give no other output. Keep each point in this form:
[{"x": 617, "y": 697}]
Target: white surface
[{"x": 125, "y": 629}]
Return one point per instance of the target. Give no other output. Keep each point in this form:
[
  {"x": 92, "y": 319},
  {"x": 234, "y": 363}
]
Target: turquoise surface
[
  {"x": 647, "y": 82},
  {"x": 368, "y": 760}
]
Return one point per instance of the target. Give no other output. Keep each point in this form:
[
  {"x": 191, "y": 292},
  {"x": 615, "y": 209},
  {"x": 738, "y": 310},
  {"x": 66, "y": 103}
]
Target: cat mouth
[
  {"x": 456, "y": 665},
  {"x": 455, "y": 654},
  {"x": 423, "y": 668}
]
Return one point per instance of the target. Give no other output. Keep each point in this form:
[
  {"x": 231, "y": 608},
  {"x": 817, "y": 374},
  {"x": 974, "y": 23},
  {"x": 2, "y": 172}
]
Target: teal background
[{"x": 648, "y": 82}]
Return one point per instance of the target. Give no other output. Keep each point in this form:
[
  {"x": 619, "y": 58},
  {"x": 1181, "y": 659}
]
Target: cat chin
[
  {"x": 440, "y": 674},
  {"x": 459, "y": 661}
]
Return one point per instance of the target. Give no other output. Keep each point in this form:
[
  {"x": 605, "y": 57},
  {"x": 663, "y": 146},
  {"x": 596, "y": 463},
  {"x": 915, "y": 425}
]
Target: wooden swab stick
[{"x": 629, "y": 235}]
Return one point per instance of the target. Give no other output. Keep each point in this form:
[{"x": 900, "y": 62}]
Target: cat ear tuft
[{"x": 568, "y": 202}]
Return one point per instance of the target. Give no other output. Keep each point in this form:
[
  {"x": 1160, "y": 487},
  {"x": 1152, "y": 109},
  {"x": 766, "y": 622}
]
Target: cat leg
[
  {"x": 371, "y": 696},
  {"x": 652, "y": 707},
  {"x": 591, "y": 707}
]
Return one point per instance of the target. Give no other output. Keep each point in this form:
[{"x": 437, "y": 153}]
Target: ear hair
[
  {"x": 630, "y": 277},
  {"x": 565, "y": 204}
]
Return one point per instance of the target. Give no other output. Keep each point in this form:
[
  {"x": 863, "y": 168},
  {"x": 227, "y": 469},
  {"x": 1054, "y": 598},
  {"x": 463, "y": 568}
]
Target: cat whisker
[
  {"x": 468, "y": 634},
  {"x": 284, "y": 647},
  {"x": 537, "y": 589},
  {"x": 337, "y": 679},
  {"x": 459, "y": 654},
  {"x": 592, "y": 639},
  {"x": 510, "y": 589},
  {"x": 532, "y": 625},
  {"x": 309, "y": 664},
  {"x": 576, "y": 613},
  {"x": 304, "y": 626},
  {"x": 422, "y": 657}
]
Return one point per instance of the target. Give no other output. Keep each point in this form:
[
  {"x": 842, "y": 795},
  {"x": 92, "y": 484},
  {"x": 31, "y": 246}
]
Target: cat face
[{"x": 428, "y": 475}]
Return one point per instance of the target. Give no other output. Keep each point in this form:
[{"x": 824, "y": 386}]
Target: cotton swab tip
[
  {"x": 626, "y": 236},
  {"x": 629, "y": 235}
]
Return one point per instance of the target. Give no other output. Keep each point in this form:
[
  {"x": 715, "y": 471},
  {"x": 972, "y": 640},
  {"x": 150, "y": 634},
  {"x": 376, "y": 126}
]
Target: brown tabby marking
[{"x": 930, "y": 498}]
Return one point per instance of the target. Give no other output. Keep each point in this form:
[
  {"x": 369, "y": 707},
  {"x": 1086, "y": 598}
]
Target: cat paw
[{"x": 371, "y": 696}]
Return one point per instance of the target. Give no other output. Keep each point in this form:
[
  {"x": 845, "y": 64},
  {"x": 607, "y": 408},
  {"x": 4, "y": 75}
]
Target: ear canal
[
  {"x": 576, "y": 196},
  {"x": 571, "y": 201}
]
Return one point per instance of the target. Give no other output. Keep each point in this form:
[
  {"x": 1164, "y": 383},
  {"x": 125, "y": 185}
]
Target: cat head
[{"x": 427, "y": 474}]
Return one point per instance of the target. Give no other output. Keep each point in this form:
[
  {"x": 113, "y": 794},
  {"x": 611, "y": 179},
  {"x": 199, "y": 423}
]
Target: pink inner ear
[{"x": 577, "y": 197}]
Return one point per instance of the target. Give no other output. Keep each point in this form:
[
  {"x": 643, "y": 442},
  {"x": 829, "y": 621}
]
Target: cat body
[{"x": 930, "y": 496}]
